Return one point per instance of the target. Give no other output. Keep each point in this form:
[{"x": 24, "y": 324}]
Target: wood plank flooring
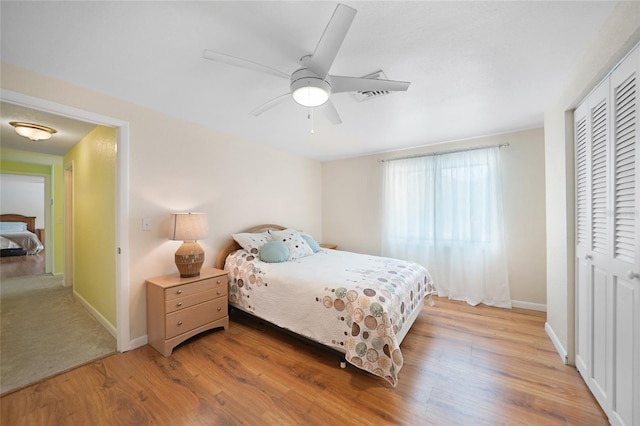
[
  {"x": 19, "y": 266},
  {"x": 463, "y": 366}
]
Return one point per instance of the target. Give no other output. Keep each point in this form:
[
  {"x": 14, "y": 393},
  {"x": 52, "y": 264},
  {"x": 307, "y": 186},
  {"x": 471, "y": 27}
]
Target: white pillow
[
  {"x": 252, "y": 242},
  {"x": 298, "y": 246}
]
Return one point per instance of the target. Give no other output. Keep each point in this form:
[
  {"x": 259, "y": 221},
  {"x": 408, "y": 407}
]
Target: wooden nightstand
[
  {"x": 179, "y": 308},
  {"x": 329, "y": 246}
]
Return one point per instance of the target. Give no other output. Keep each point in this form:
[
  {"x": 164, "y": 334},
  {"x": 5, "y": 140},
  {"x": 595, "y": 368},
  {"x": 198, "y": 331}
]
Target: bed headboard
[
  {"x": 29, "y": 220},
  {"x": 232, "y": 245}
]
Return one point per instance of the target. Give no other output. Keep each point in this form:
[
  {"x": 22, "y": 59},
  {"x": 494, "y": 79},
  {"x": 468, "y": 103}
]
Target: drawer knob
[
  {"x": 219, "y": 308},
  {"x": 179, "y": 304},
  {"x": 218, "y": 282},
  {"x": 219, "y": 292},
  {"x": 179, "y": 292},
  {"x": 179, "y": 322}
]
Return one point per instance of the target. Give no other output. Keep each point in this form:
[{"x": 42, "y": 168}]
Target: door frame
[
  {"x": 122, "y": 197},
  {"x": 68, "y": 182}
]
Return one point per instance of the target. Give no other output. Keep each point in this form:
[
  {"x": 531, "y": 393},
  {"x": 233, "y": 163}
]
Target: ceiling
[
  {"x": 476, "y": 68},
  {"x": 69, "y": 131}
]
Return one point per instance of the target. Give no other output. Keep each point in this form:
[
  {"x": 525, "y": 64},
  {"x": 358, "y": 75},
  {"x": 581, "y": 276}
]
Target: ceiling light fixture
[
  {"x": 308, "y": 89},
  {"x": 35, "y": 132}
]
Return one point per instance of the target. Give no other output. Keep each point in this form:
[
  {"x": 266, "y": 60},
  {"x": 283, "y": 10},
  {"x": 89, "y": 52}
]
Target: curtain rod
[{"x": 430, "y": 154}]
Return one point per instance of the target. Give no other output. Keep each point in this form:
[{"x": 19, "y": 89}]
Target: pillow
[
  {"x": 13, "y": 226},
  {"x": 252, "y": 242},
  {"x": 297, "y": 245},
  {"x": 312, "y": 243},
  {"x": 274, "y": 252}
]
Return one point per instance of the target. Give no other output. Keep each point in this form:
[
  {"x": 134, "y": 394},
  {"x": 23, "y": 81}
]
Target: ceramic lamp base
[{"x": 189, "y": 259}]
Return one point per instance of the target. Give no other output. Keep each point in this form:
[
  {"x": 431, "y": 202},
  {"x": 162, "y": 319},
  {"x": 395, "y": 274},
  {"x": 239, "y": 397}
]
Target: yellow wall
[
  {"x": 94, "y": 220},
  {"x": 29, "y": 163}
]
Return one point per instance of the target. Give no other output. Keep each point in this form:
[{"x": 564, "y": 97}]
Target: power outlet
[{"x": 146, "y": 224}]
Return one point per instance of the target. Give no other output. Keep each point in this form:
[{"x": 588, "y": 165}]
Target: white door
[
  {"x": 624, "y": 269},
  {"x": 607, "y": 242}
]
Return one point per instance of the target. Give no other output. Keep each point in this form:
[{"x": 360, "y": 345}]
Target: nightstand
[
  {"x": 179, "y": 308},
  {"x": 329, "y": 246}
]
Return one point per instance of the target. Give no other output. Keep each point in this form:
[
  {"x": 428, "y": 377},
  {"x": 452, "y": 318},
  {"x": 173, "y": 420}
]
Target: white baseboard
[
  {"x": 528, "y": 305},
  {"x": 556, "y": 343},
  {"x": 97, "y": 315},
  {"x": 138, "y": 342}
]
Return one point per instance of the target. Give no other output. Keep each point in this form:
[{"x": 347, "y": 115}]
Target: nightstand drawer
[
  {"x": 196, "y": 287},
  {"x": 192, "y": 300},
  {"x": 187, "y": 319}
]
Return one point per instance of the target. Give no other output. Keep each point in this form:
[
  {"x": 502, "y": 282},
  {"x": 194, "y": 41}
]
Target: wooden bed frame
[{"x": 29, "y": 220}]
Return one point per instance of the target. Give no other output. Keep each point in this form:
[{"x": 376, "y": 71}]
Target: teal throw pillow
[
  {"x": 274, "y": 252},
  {"x": 312, "y": 243}
]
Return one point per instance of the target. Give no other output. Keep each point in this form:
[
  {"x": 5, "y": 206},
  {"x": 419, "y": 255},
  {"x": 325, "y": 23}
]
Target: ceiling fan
[{"x": 311, "y": 85}]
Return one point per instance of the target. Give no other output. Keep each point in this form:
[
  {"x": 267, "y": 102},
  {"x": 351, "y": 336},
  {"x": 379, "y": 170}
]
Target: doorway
[{"x": 122, "y": 192}]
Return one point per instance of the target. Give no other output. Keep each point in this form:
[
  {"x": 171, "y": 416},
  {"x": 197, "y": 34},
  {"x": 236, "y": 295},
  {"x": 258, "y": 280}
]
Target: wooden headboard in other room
[{"x": 29, "y": 220}]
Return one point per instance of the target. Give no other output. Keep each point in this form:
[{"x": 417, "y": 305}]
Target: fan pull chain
[{"x": 310, "y": 117}]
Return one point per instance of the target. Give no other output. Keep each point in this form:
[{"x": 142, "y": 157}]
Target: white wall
[
  {"x": 22, "y": 195},
  {"x": 180, "y": 166},
  {"x": 616, "y": 38},
  {"x": 352, "y": 197}
]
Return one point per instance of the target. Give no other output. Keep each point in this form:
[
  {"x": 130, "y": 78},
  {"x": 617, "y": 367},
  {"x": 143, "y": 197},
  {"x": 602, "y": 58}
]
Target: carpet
[{"x": 45, "y": 331}]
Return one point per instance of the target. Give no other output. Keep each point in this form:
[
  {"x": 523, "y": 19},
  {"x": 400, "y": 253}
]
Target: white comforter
[
  {"x": 350, "y": 301},
  {"x": 25, "y": 239}
]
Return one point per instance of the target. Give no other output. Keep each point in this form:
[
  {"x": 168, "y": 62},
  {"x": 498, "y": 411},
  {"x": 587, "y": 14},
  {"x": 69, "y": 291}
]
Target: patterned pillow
[
  {"x": 252, "y": 242},
  {"x": 298, "y": 246}
]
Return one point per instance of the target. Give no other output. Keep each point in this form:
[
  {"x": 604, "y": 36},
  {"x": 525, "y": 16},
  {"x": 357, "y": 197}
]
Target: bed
[
  {"x": 360, "y": 305},
  {"x": 18, "y": 235}
]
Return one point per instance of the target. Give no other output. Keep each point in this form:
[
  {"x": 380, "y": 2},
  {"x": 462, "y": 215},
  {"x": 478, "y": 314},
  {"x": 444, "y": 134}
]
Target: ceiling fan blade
[
  {"x": 242, "y": 63},
  {"x": 270, "y": 104},
  {"x": 359, "y": 84},
  {"x": 331, "y": 40},
  {"x": 330, "y": 111}
]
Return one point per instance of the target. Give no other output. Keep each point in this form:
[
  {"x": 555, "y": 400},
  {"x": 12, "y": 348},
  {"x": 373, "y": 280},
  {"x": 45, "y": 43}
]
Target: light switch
[{"x": 146, "y": 224}]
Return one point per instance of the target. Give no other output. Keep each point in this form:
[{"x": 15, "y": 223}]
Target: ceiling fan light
[
  {"x": 310, "y": 91},
  {"x": 35, "y": 132},
  {"x": 310, "y": 96}
]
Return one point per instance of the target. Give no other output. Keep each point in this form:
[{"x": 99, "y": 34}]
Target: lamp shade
[{"x": 189, "y": 226}]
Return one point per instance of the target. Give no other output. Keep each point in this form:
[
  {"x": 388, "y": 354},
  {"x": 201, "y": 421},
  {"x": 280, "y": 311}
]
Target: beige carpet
[{"x": 44, "y": 331}]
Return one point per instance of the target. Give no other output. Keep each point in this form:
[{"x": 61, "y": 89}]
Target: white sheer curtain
[{"x": 445, "y": 212}]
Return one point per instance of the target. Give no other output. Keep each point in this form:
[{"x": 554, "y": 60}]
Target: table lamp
[{"x": 189, "y": 227}]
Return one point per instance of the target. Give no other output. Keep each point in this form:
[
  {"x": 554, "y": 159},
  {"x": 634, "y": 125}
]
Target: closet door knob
[{"x": 631, "y": 275}]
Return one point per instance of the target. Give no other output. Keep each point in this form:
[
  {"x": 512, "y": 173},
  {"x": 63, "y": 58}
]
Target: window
[{"x": 445, "y": 212}]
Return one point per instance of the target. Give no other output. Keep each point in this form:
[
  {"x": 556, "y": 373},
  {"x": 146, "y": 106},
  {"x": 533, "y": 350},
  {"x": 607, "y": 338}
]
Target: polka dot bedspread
[{"x": 354, "y": 302}]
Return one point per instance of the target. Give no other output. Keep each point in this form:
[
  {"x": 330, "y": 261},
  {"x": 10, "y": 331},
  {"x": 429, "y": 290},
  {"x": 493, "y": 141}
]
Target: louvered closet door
[
  {"x": 597, "y": 257},
  {"x": 625, "y": 246},
  {"x": 583, "y": 240},
  {"x": 607, "y": 160}
]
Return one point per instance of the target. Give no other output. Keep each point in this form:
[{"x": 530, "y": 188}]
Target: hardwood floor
[
  {"x": 19, "y": 266},
  {"x": 463, "y": 366}
]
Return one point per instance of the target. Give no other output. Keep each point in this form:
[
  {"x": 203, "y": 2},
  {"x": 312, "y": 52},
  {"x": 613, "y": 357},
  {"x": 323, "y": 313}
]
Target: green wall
[
  {"x": 50, "y": 166},
  {"x": 94, "y": 227}
]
